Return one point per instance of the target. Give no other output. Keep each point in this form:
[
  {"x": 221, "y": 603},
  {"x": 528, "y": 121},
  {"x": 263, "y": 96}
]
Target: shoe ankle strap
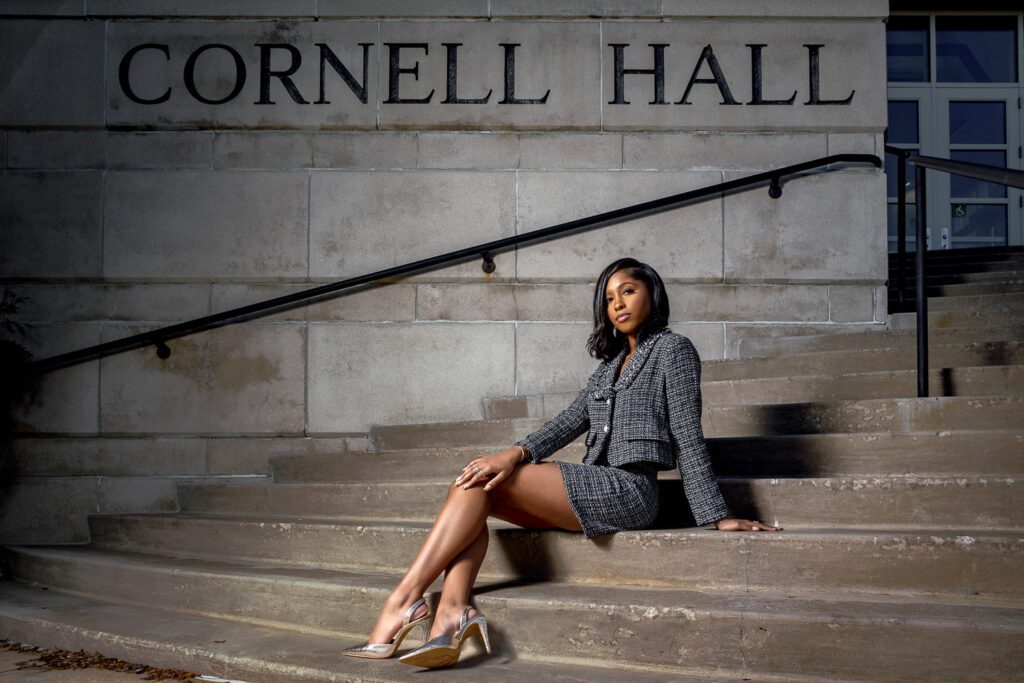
[{"x": 412, "y": 610}]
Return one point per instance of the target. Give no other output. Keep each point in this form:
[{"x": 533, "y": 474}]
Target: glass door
[{"x": 976, "y": 125}]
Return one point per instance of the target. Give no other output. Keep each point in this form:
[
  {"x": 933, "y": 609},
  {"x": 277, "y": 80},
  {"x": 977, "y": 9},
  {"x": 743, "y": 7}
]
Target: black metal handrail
[
  {"x": 486, "y": 251},
  {"x": 992, "y": 174}
]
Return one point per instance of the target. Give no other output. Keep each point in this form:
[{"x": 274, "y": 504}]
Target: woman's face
[{"x": 627, "y": 301}]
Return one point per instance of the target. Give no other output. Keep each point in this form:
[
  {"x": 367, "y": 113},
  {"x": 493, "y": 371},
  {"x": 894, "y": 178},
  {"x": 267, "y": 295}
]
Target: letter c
[{"x": 124, "y": 70}]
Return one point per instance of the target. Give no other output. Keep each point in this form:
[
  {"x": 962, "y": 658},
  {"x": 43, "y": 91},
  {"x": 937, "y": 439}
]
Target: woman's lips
[{"x": 622, "y": 317}]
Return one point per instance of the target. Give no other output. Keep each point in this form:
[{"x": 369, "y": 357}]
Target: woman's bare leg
[{"x": 533, "y": 495}]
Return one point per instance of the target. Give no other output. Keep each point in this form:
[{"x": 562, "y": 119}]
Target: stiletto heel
[
  {"x": 384, "y": 650},
  {"x": 444, "y": 650}
]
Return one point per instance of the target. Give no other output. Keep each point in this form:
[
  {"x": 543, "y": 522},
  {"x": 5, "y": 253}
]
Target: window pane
[
  {"x": 894, "y": 224},
  {"x": 972, "y": 123},
  {"x": 906, "y": 49},
  {"x": 979, "y": 224},
  {"x": 976, "y": 49},
  {"x": 891, "y": 173},
  {"x": 960, "y": 186},
  {"x": 903, "y": 122}
]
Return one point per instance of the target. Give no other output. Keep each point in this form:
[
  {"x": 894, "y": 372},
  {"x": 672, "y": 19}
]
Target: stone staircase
[{"x": 902, "y": 556}]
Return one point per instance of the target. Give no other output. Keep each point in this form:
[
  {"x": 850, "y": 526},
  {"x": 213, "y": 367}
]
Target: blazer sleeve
[
  {"x": 560, "y": 430},
  {"x": 682, "y": 392}
]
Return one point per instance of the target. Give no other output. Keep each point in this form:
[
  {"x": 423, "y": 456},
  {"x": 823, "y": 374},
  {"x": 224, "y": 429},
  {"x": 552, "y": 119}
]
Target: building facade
[{"x": 164, "y": 161}]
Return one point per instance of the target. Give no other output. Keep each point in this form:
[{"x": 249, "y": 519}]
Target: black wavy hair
[{"x": 605, "y": 342}]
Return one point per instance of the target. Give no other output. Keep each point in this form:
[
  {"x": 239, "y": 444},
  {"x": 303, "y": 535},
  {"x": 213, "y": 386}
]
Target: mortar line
[
  {"x": 305, "y": 353},
  {"x": 600, "y": 75},
  {"x": 722, "y": 200},
  {"x": 309, "y": 225}
]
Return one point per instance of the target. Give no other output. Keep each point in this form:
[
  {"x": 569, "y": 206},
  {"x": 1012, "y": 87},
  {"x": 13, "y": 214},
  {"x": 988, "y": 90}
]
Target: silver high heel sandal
[
  {"x": 385, "y": 650},
  {"x": 444, "y": 650}
]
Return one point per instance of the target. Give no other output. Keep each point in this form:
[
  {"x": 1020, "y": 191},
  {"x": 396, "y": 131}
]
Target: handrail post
[
  {"x": 901, "y": 231},
  {"x": 921, "y": 294}
]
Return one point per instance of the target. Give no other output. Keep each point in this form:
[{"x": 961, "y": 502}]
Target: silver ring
[{"x": 478, "y": 469}]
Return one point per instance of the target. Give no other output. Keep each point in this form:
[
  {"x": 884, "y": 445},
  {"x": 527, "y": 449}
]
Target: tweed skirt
[{"x": 609, "y": 499}]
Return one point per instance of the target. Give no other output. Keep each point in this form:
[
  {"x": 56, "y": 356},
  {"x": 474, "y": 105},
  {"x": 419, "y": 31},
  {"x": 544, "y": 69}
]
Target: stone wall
[{"x": 120, "y": 215}]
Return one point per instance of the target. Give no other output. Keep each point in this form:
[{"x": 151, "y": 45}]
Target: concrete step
[
  {"x": 991, "y": 303},
  {"x": 849, "y": 361},
  {"x": 655, "y": 629},
  {"x": 877, "y": 339},
  {"x": 955, "y": 275},
  {"x": 939, "y": 319},
  {"x": 997, "y": 380},
  {"x": 950, "y": 561},
  {"x": 1009, "y": 283},
  {"x": 899, "y": 415},
  {"x": 236, "y": 650},
  {"x": 910, "y": 501},
  {"x": 944, "y": 453}
]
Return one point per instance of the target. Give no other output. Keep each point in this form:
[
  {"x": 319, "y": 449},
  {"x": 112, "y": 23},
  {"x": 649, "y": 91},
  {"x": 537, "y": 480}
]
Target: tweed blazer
[{"x": 651, "y": 413}]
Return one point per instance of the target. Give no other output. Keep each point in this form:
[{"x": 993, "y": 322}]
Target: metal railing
[
  {"x": 991, "y": 174},
  {"x": 159, "y": 337}
]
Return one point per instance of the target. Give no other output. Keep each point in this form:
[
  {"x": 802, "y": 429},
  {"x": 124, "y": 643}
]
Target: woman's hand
[
  {"x": 736, "y": 524},
  {"x": 489, "y": 470}
]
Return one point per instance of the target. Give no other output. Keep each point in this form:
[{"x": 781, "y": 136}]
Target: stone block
[
  {"x": 137, "y": 494},
  {"x": 262, "y": 150},
  {"x": 707, "y": 338},
  {"x": 828, "y": 226},
  {"x": 553, "y": 56},
  {"x": 468, "y": 150},
  {"x": 496, "y": 301},
  {"x": 252, "y": 455},
  {"x": 217, "y": 76},
  {"x": 682, "y": 243},
  {"x": 65, "y": 400},
  {"x": 402, "y": 8},
  {"x": 714, "y": 151},
  {"x": 466, "y": 302},
  {"x": 53, "y": 73},
  {"x": 851, "y": 304},
  {"x": 164, "y": 150},
  {"x": 365, "y": 374},
  {"x": 40, "y": 8},
  {"x": 239, "y": 379},
  {"x": 364, "y": 150},
  {"x": 852, "y": 60},
  {"x": 47, "y": 510},
  {"x": 83, "y": 303},
  {"x": 851, "y": 143},
  {"x": 749, "y": 302},
  {"x": 205, "y": 225},
  {"x": 563, "y": 151},
  {"x": 552, "y": 357},
  {"x": 576, "y": 8},
  {"x": 51, "y": 223},
  {"x": 386, "y": 302},
  {"x": 364, "y": 222},
  {"x": 761, "y": 9},
  {"x": 237, "y": 9},
  {"x": 739, "y": 335},
  {"x": 106, "y": 457},
  {"x": 881, "y": 303},
  {"x": 58, "y": 150}
]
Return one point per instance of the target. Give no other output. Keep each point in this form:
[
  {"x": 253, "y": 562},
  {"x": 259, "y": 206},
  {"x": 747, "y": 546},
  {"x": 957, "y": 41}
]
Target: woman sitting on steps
[{"x": 642, "y": 407}]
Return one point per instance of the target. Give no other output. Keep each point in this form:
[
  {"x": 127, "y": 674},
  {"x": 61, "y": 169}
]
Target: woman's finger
[{"x": 495, "y": 480}]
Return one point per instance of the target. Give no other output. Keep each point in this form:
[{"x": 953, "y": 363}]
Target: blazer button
[
  {"x": 609, "y": 401},
  {"x": 606, "y": 428}
]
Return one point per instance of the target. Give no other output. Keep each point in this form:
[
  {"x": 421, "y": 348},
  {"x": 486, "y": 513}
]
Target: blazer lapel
[
  {"x": 637, "y": 360},
  {"x": 608, "y": 385}
]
